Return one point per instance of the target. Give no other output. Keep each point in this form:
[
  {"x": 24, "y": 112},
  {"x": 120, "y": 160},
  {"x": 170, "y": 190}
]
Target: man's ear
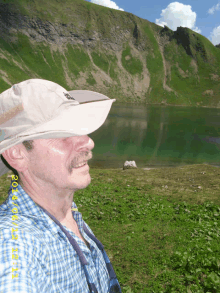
[{"x": 15, "y": 158}]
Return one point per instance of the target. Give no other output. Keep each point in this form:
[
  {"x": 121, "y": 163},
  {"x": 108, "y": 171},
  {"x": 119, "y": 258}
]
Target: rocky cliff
[{"x": 81, "y": 45}]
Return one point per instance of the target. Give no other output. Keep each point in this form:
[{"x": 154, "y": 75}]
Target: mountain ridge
[{"x": 113, "y": 52}]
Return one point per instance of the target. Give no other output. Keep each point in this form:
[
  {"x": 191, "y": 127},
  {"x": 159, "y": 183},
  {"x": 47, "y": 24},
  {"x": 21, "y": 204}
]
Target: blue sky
[{"x": 202, "y": 16}]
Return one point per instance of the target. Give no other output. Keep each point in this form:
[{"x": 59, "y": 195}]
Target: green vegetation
[
  {"x": 159, "y": 227},
  {"x": 190, "y": 61},
  {"x": 131, "y": 64},
  {"x": 3, "y": 85},
  {"x": 105, "y": 62},
  {"x": 12, "y": 70},
  {"x": 101, "y": 61},
  {"x": 91, "y": 80},
  {"x": 48, "y": 10},
  {"x": 155, "y": 66},
  {"x": 78, "y": 60},
  {"x": 32, "y": 61},
  {"x": 184, "y": 60},
  {"x": 39, "y": 62},
  {"x": 112, "y": 72},
  {"x": 191, "y": 81}
]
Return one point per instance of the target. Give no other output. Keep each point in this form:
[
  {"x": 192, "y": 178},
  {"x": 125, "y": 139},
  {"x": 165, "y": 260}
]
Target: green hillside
[{"x": 81, "y": 45}]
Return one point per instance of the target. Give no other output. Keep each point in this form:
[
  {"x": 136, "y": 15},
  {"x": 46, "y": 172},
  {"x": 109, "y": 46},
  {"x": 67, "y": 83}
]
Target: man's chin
[{"x": 81, "y": 184}]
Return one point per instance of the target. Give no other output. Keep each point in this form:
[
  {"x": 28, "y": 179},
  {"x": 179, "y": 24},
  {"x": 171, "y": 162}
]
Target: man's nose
[
  {"x": 90, "y": 143},
  {"x": 87, "y": 142}
]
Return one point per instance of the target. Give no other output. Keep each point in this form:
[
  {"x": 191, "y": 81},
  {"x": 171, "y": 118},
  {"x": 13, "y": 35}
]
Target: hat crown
[{"x": 30, "y": 103}]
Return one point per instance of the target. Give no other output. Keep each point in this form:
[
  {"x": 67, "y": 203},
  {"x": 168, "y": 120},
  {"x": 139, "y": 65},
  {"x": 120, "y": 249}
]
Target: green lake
[{"x": 157, "y": 135}]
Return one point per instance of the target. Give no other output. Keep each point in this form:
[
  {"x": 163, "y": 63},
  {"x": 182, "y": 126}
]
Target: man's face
[{"x": 53, "y": 162}]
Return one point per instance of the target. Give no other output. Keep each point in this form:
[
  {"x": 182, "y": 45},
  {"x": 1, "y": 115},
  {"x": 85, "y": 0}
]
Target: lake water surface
[{"x": 157, "y": 135}]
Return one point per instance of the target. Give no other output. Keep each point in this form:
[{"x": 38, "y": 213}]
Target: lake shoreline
[
  {"x": 165, "y": 104},
  {"x": 154, "y": 167}
]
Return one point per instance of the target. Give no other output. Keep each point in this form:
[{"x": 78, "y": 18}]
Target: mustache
[{"x": 85, "y": 156}]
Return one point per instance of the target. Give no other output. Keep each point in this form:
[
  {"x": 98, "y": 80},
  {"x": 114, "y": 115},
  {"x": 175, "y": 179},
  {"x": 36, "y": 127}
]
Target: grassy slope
[{"x": 88, "y": 18}]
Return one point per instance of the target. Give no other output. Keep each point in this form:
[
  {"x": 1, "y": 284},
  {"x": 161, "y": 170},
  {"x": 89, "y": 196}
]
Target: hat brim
[{"x": 71, "y": 120}]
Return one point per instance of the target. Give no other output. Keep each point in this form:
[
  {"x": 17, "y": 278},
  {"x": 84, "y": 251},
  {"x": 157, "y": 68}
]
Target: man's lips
[
  {"x": 75, "y": 164},
  {"x": 79, "y": 165}
]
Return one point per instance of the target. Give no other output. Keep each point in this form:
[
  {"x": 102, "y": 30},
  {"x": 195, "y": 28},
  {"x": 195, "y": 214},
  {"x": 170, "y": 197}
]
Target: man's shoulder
[{"x": 26, "y": 227}]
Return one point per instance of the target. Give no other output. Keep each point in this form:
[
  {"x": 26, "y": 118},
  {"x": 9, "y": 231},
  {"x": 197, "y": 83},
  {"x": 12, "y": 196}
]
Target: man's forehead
[
  {"x": 48, "y": 139},
  {"x": 45, "y": 141},
  {"x": 53, "y": 139}
]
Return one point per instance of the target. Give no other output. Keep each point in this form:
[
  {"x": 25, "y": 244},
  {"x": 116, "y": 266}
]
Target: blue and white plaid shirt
[{"x": 36, "y": 256}]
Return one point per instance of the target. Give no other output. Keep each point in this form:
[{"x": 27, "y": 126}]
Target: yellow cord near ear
[{"x": 74, "y": 209}]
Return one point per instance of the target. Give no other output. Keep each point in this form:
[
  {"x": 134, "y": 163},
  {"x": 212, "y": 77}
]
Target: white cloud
[
  {"x": 177, "y": 14},
  {"x": 212, "y": 10},
  {"x": 107, "y": 3},
  {"x": 215, "y": 36}
]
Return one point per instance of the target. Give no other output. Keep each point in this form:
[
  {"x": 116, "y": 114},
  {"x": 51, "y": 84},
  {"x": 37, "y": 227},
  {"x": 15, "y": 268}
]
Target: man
[{"x": 45, "y": 246}]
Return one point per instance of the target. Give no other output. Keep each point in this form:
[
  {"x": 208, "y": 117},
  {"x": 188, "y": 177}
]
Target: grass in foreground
[{"x": 159, "y": 227}]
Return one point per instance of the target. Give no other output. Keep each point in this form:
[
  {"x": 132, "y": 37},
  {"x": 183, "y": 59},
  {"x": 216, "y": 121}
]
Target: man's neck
[{"x": 58, "y": 207}]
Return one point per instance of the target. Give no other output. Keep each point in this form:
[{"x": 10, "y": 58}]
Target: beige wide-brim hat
[{"x": 38, "y": 108}]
